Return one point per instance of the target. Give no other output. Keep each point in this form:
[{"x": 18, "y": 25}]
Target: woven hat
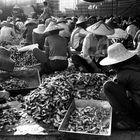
[
  {"x": 18, "y": 19},
  {"x": 52, "y": 27},
  {"x": 117, "y": 53},
  {"x": 60, "y": 20},
  {"x": 16, "y": 7},
  {"x": 100, "y": 28},
  {"x": 119, "y": 33},
  {"x": 68, "y": 18},
  {"x": 81, "y": 19},
  {"x": 40, "y": 29},
  {"x": 30, "y": 21},
  {"x": 111, "y": 23},
  {"x": 6, "y": 63}
]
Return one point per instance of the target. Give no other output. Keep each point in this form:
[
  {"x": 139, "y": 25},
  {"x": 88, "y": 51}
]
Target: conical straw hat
[
  {"x": 117, "y": 53},
  {"x": 100, "y": 28},
  {"x": 52, "y": 27}
]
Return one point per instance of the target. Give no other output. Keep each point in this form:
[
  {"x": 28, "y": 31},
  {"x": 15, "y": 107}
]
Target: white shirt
[
  {"x": 76, "y": 35},
  {"x": 7, "y": 34},
  {"x": 89, "y": 42},
  {"x": 92, "y": 47},
  {"x": 65, "y": 32}
]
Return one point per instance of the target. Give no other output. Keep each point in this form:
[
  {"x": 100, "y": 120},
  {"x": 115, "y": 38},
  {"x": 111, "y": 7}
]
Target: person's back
[
  {"x": 78, "y": 34},
  {"x": 28, "y": 33},
  {"x": 55, "y": 56},
  {"x": 75, "y": 38},
  {"x": 57, "y": 46}
]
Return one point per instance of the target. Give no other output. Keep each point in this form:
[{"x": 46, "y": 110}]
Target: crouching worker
[
  {"x": 54, "y": 58},
  {"x": 94, "y": 48},
  {"x": 123, "y": 92}
]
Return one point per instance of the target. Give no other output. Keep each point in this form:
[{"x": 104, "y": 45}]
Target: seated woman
[
  {"x": 121, "y": 36},
  {"x": 94, "y": 48},
  {"x": 38, "y": 36},
  {"x": 55, "y": 56},
  {"x": 78, "y": 34},
  {"x": 123, "y": 92},
  {"x": 7, "y": 33}
]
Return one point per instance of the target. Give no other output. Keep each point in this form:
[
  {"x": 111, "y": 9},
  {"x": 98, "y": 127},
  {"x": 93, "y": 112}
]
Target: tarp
[{"x": 93, "y": 1}]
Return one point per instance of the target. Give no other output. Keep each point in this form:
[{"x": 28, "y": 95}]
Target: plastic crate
[
  {"x": 31, "y": 76},
  {"x": 82, "y": 104}
]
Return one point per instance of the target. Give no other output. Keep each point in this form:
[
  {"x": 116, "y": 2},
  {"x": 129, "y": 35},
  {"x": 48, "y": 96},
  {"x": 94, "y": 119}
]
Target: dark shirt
[
  {"x": 57, "y": 46},
  {"x": 39, "y": 39},
  {"x": 129, "y": 78},
  {"x": 27, "y": 35}
]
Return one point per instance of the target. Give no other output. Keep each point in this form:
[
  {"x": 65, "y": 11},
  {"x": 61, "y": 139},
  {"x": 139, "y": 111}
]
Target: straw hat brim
[
  {"x": 18, "y": 19},
  {"x": 119, "y": 33},
  {"x": 38, "y": 31},
  {"x": 100, "y": 28},
  {"x": 61, "y": 21},
  {"x": 109, "y": 61},
  {"x": 79, "y": 22},
  {"x": 101, "y": 31},
  {"x": 30, "y": 22}
]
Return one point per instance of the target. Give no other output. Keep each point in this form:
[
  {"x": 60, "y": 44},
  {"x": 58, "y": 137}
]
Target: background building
[{"x": 76, "y": 7}]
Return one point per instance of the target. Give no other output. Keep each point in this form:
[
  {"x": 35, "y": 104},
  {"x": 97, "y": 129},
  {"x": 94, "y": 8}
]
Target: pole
[
  {"x": 5, "y": 4},
  {"x": 116, "y": 7},
  {"x": 112, "y": 7}
]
